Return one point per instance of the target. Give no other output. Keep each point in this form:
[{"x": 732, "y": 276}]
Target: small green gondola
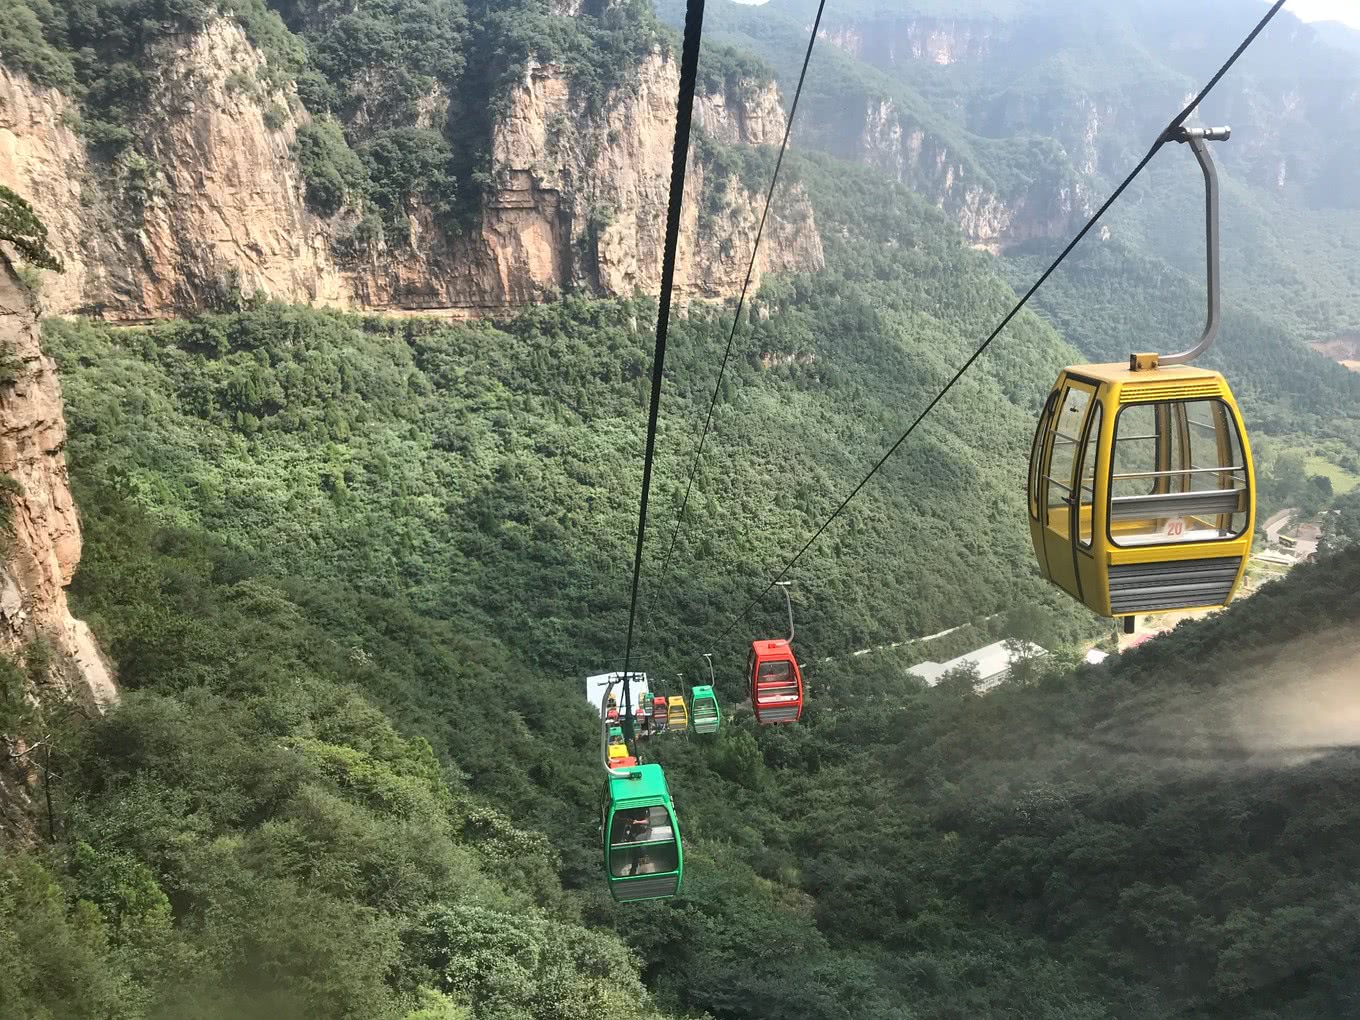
[
  {"x": 641, "y": 834},
  {"x": 616, "y": 734},
  {"x": 706, "y": 717}
]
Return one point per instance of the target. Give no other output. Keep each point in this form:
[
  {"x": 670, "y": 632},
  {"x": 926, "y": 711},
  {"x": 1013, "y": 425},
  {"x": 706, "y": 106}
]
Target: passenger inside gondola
[{"x": 642, "y": 842}]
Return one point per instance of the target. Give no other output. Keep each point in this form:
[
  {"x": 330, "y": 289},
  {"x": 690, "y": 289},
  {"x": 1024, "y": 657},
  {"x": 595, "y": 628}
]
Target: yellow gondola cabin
[
  {"x": 677, "y": 716},
  {"x": 1141, "y": 489},
  {"x": 1142, "y": 497}
]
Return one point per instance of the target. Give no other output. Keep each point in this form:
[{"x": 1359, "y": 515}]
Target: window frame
[
  {"x": 1046, "y": 506},
  {"x": 1095, "y": 421},
  {"x": 1247, "y": 482},
  {"x": 1037, "y": 452},
  {"x": 672, "y": 840}
]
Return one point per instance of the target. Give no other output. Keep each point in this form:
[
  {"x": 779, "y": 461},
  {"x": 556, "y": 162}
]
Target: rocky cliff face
[
  {"x": 42, "y": 546},
  {"x": 751, "y": 115},
  {"x": 900, "y": 146},
  {"x": 891, "y": 39},
  {"x": 39, "y": 550},
  {"x": 607, "y": 180},
  {"x": 920, "y": 155},
  {"x": 215, "y": 202}
]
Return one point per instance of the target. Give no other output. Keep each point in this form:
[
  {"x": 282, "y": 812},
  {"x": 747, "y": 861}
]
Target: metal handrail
[
  {"x": 1153, "y": 497},
  {"x": 1228, "y": 469}
]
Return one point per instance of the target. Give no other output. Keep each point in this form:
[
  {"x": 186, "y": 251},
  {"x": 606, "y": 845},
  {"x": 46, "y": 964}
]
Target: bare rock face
[
  {"x": 39, "y": 550},
  {"x": 43, "y": 544},
  {"x": 610, "y": 180},
  {"x": 896, "y": 144},
  {"x": 212, "y": 202},
  {"x": 222, "y": 194},
  {"x": 215, "y": 201},
  {"x": 43, "y": 160},
  {"x": 894, "y": 39},
  {"x": 752, "y": 116}
]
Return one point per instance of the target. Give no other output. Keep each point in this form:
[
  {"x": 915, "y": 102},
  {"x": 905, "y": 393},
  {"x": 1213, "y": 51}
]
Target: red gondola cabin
[{"x": 776, "y": 683}]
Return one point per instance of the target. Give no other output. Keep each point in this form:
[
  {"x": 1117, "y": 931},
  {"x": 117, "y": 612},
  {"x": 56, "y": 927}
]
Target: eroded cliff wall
[
  {"x": 39, "y": 550},
  {"x": 212, "y": 201},
  {"x": 938, "y": 159}
]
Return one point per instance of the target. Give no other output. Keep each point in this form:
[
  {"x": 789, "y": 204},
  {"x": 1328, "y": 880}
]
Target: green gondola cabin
[
  {"x": 705, "y": 715},
  {"x": 643, "y": 856}
]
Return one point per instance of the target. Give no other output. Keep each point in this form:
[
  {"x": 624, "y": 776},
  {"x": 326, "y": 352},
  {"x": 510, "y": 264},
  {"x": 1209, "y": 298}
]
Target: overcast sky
[{"x": 1346, "y": 11}]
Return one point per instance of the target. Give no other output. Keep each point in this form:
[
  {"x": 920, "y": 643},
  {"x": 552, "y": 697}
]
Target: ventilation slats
[
  {"x": 646, "y": 888},
  {"x": 1169, "y": 391},
  {"x": 1152, "y": 587}
]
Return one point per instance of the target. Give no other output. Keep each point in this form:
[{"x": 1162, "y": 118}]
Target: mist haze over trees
[{"x": 353, "y": 571}]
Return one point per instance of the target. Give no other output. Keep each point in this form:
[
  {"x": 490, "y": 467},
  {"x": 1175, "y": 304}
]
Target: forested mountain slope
[
  {"x": 1170, "y": 832},
  {"x": 489, "y": 472},
  {"x": 1020, "y": 117}
]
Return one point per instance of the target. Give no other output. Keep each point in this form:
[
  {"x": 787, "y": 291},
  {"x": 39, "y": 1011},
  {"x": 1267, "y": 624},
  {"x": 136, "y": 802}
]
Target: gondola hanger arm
[{"x": 1197, "y": 138}]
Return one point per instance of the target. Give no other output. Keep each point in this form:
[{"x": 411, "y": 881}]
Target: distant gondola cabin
[
  {"x": 776, "y": 682},
  {"x": 704, "y": 712},
  {"x": 677, "y": 716},
  {"x": 644, "y": 859}
]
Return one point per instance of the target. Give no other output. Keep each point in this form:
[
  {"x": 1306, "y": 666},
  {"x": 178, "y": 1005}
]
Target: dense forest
[
  {"x": 353, "y": 570},
  {"x": 489, "y": 472},
  {"x": 411, "y": 806}
]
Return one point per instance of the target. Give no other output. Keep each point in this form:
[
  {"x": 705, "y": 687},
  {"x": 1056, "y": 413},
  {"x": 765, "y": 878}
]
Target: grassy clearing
[{"x": 1343, "y": 481}]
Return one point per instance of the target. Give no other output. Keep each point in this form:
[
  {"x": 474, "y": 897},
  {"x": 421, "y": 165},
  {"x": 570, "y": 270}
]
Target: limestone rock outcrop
[
  {"x": 209, "y": 202},
  {"x": 41, "y": 545}
]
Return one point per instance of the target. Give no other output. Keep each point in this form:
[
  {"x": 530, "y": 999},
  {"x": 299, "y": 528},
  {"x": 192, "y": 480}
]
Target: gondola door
[{"x": 1064, "y": 491}]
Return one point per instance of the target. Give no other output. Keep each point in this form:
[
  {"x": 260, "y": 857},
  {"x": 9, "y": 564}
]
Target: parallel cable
[
  {"x": 741, "y": 301},
  {"x": 1162, "y": 139},
  {"x": 689, "y": 74}
]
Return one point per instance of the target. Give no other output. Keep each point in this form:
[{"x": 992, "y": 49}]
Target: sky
[{"x": 1345, "y": 11}]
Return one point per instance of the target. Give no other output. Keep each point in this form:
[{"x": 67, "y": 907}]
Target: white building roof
[
  {"x": 1095, "y": 656},
  {"x": 992, "y": 663}
]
